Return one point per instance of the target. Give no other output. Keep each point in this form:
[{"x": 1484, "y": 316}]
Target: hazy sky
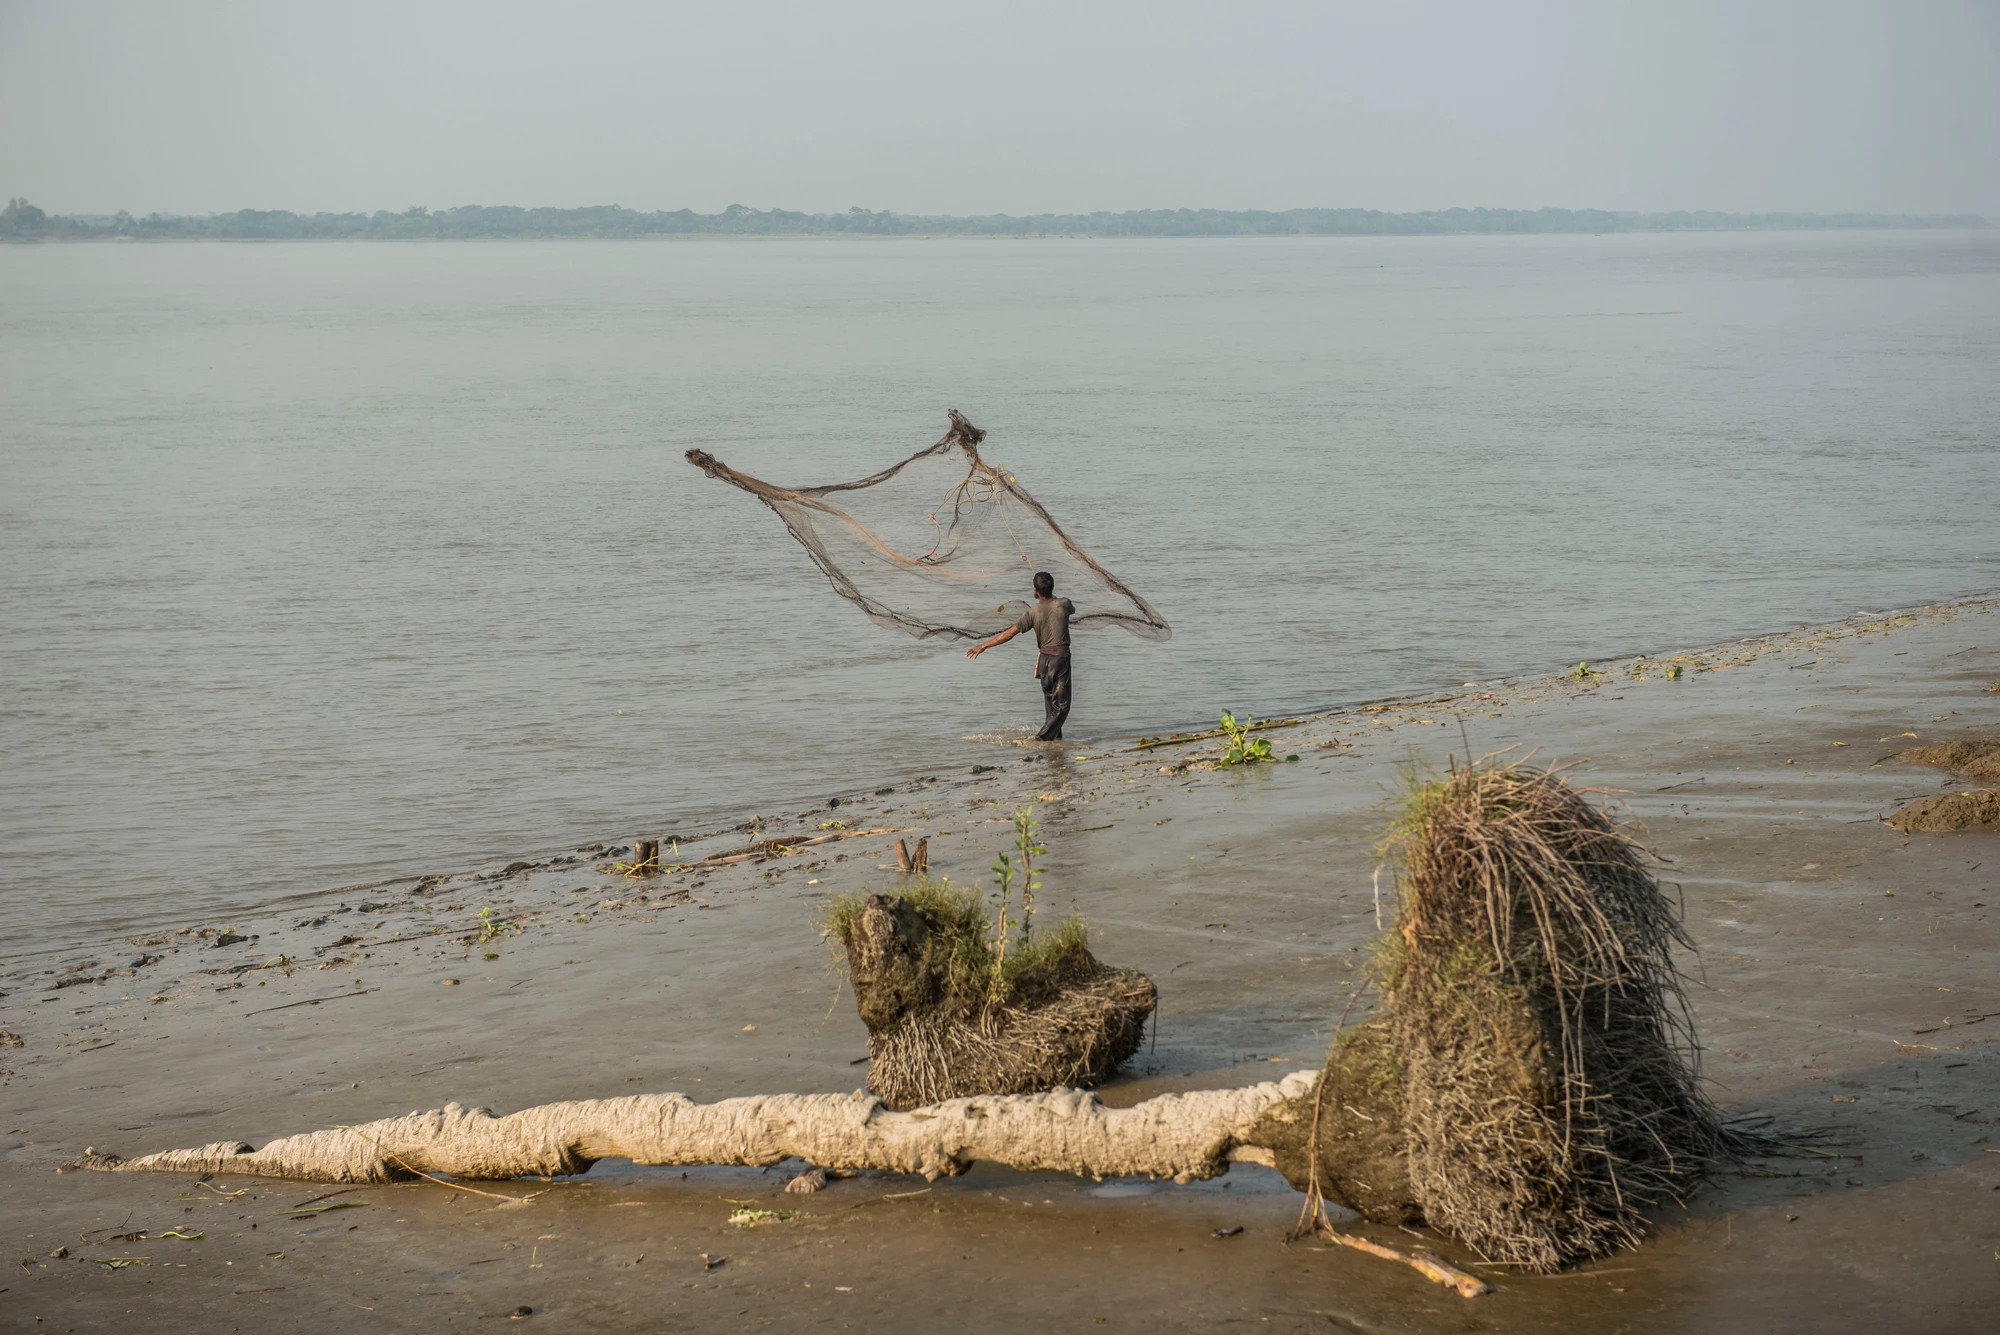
[{"x": 1019, "y": 106}]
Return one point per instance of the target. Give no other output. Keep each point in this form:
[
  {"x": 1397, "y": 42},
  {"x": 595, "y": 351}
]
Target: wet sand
[{"x": 1841, "y": 965}]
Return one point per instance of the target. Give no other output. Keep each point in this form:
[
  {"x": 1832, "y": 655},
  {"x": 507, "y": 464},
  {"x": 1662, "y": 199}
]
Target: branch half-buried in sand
[
  {"x": 1261, "y": 725},
  {"x": 313, "y": 1001},
  {"x": 773, "y": 848},
  {"x": 1428, "y": 1264}
]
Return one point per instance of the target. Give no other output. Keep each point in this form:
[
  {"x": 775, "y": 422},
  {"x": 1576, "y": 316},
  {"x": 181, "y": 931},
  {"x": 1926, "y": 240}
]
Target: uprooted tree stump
[
  {"x": 948, "y": 1019},
  {"x": 1530, "y": 1086},
  {"x": 1550, "y": 1088}
]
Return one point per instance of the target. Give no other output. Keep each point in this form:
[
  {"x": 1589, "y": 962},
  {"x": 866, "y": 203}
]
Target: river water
[{"x": 324, "y": 563}]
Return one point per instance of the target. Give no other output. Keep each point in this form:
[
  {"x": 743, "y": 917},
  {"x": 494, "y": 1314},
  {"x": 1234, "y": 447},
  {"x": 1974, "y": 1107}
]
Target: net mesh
[{"x": 943, "y": 543}]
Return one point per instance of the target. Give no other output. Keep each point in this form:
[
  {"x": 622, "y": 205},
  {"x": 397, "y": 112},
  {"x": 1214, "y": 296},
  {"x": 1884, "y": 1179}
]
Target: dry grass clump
[
  {"x": 1974, "y": 757},
  {"x": 1550, "y": 1087},
  {"x": 951, "y": 955},
  {"x": 950, "y": 1016},
  {"x": 1972, "y": 809},
  {"x": 956, "y": 949}
]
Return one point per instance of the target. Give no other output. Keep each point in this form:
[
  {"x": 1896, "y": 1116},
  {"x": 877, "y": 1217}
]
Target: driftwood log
[{"x": 1182, "y": 1136}]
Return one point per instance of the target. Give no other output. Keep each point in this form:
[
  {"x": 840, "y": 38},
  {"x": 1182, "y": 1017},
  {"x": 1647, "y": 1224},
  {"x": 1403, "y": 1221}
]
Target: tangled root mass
[
  {"x": 949, "y": 1018},
  {"x": 1550, "y": 1088}
]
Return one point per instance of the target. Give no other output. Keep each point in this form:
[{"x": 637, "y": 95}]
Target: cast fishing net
[{"x": 943, "y": 543}]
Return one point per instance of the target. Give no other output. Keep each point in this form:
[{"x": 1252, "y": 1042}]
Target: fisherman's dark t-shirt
[{"x": 1049, "y": 619}]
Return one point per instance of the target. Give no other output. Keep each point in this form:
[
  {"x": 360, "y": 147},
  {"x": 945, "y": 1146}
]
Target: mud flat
[{"x": 1847, "y": 982}]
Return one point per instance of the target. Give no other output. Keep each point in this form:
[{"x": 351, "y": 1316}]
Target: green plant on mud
[
  {"x": 492, "y": 926},
  {"x": 1243, "y": 748},
  {"x": 1007, "y": 868}
]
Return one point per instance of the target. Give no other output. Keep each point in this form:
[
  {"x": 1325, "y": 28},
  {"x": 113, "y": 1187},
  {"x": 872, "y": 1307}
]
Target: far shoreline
[
  {"x": 22, "y": 221},
  {"x": 1024, "y": 237}
]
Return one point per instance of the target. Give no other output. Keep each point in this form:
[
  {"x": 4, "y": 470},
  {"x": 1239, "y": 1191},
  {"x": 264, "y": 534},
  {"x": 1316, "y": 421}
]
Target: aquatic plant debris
[
  {"x": 1243, "y": 748},
  {"x": 943, "y": 543},
  {"x": 1259, "y": 725}
]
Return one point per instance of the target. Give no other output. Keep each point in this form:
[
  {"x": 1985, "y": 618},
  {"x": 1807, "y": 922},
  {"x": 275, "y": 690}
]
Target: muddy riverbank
[{"x": 1846, "y": 982}]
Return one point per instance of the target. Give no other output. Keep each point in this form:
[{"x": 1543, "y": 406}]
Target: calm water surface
[{"x": 320, "y": 563}]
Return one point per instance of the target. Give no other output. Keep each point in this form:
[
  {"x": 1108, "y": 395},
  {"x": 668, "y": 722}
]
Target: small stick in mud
[
  {"x": 1428, "y": 1264},
  {"x": 311, "y": 1001},
  {"x": 774, "y": 848},
  {"x": 913, "y": 861}
]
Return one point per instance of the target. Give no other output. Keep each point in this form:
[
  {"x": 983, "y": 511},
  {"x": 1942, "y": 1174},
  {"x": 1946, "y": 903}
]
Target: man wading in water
[{"x": 1049, "y": 619}]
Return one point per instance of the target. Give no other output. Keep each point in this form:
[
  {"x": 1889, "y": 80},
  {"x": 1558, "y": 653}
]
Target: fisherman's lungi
[{"x": 1052, "y": 670}]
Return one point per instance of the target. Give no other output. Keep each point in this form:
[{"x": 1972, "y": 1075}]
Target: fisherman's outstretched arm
[{"x": 1002, "y": 638}]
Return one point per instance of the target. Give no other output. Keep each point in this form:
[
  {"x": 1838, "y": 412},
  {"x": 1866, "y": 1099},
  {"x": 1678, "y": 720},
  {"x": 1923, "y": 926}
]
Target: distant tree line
[{"x": 22, "y": 221}]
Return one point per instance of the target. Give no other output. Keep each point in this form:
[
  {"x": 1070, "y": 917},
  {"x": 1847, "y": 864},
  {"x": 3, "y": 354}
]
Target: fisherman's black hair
[{"x": 1045, "y": 584}]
